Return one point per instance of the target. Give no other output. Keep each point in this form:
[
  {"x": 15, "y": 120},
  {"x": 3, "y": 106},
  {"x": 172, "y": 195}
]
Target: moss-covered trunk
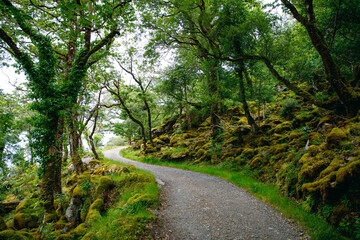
[
  {"x": 52, "y": 168},
  {"x": 75, "y": 138}
]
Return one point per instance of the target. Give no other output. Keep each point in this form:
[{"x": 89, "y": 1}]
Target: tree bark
[
  {"x": 187, "y": 107},
  {"x": 251, "y": 121}
]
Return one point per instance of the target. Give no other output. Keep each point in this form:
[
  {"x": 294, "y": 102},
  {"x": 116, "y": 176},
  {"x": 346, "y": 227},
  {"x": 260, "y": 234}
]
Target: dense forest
[{"x": 267, "y": 88}]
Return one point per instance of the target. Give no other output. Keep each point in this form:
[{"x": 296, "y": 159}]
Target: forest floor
[{"x": 199, "y": 206}]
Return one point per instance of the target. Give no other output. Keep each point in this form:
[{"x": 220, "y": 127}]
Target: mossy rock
[
  {"x": 139, "y": 201},
  {"x": 2, "y": 224},
  {"x": 106, "y": 183},
  {"x": 14, "y": 235},
  {"x": 334, "y": 138},
  {"x": 78, "y": 192},
  {"x": 311, "y": 167},
  {"x": 93, "y": 215},
  {"x": 98, "y": 204},
  {"x": 66, "y": 236},
  {"x": 89, "y": 236},
  {"x": 158, "y": 141},
  {"x": 81, "y": 230},
  {"x": 322, "y": 185},
  {"x": 26, "y": 215},
  {"x": 350, "y": 171},
  {"x": 315, "y": 138},
  {"x": 280, "y": 148},
  {"x": 94, "y": 163},
  {"x": 282, "y": 127},
  {"x": 165, "y": 138},
  {"x": 313, "y": 150}
]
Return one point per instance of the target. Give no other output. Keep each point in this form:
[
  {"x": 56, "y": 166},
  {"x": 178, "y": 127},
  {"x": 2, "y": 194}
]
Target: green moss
[
  {"x": 66, "y": 236},
  {"x": 26, "y": 215},
  {"x": 311, "y": 167},
  {"x": 280, "y": 148},
  {"x": 2, "y": 224},
  {"x": 313, "y": 150},
  {"x": 98, "y": 204},
  {"x": 51, "y": 217},
  {"x": 89, "y": 236},
  {"x": 81, "y": 230},
  {"x": 322, "y": 185},
  {"x": 334, "y": 138},
  {"x": 78, "y": 192},
  {"x": 106, "y": 183},
  {"x": 13, "y": 235},
  {"x": 315, "y": 138},
  {"x": 283, "y": 127},
  {"x": 94, "y": 163},
  {"x": 139, "y": 201},
  {"x": 158, "y": 141},
  {"x": 248, "y": 152},
  {"x": 93, "y": 215},
  {"x": 351, "y": 170}
]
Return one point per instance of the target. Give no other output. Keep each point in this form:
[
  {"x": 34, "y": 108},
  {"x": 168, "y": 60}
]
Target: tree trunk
[
  {"x": 212, "y": 75},
  {"x": 51, "y": 166},
  {"x": 91, "y": 139},
  {"x": 187, "y": 107},
  {"x": 254, "y": 126},
  {"x": 75, "y": 139}
]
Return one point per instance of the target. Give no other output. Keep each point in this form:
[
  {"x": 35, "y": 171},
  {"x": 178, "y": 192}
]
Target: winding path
[{"x": 199, "y": 206}]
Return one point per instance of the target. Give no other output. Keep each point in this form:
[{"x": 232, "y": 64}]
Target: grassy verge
[
  {"x": 129, "y": 217},
  {"x": 315, "y": 226}
]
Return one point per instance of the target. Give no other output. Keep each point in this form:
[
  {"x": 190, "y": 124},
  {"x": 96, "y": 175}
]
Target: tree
[{"x": 55, "y": 93}]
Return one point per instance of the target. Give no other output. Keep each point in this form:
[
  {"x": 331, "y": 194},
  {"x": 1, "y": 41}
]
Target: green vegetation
[
  {"x": 269, "y": 193},
  {"x": 114, "y": 202}
]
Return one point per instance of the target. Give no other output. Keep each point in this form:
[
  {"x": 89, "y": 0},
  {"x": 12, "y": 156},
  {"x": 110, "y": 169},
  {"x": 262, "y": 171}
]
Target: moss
[
  {"x": 66, "y": 236},
  {"x": 256, "y": 161},
  {"x": 280, "y": 148},
  {"x": 323, "y": 185},
  {"x": 283, "y": 127},
  {"x": 98, "y": 204},
  {"x": 81, "y": 230},
  {"x": 93, "y": 215},
  {"x": 94, "y": 163},
  {"x": 139, "y": 201},
  {"x": 26, "y": 215},
  {"x": 14, "y": 235},
  {"x": 89, "y": 236},
  {"x": 231, "y": 140},
  {"x": 51, "y": 217},
  {"x": 2, "y": 224},
  {"x": 78, "y": 192},
  {"x": 158, "y": 141},
  {"x": 106, "y": 183},
  {"x": 335, "y": 164},
  {"x": 248, "y": 152},
  {"x": 243, "y": 121},
  {"x": 351, "y": 170},
  {"x": 311, "y": 167},
  {"x": 315, "y": 138},
  {"x": 334, "y": 138},
  {"x": 313, "y": 150}
]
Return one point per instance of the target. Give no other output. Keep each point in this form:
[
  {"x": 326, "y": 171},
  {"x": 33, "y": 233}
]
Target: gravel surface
[{"x": 199, "y": 206}]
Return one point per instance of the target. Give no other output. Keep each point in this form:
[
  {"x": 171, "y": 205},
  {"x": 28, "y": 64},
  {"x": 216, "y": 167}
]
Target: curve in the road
[{"x": 199, "y": 206}]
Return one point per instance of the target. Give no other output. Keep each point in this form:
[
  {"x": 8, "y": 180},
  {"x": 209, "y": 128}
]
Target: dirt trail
[{"x": 199, "y": 206}]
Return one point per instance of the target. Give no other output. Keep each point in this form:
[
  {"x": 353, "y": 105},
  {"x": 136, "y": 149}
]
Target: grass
[
  {"x": 315, "y": 226},
  {"x": 130, "y": 215}
]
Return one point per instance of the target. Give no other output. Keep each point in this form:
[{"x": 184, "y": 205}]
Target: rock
[
  {"x": 72, "y": 213},
  {"x": 334, "y": 138},
  {"x": 14, "y": 235},
  {"x": 98, "y": 204},
  {"x": 106, "y": 183},
  {"x": 26, "y": 216},
  {"x": 81, "y": 230}
]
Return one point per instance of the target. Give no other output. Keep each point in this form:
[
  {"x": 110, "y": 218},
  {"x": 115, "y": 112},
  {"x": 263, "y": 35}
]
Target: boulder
[{"x": 72, "y": 213}]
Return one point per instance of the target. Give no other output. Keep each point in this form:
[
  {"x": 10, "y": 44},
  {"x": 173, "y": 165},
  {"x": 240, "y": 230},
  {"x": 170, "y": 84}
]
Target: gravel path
[{"x": 199, "y": 206}]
